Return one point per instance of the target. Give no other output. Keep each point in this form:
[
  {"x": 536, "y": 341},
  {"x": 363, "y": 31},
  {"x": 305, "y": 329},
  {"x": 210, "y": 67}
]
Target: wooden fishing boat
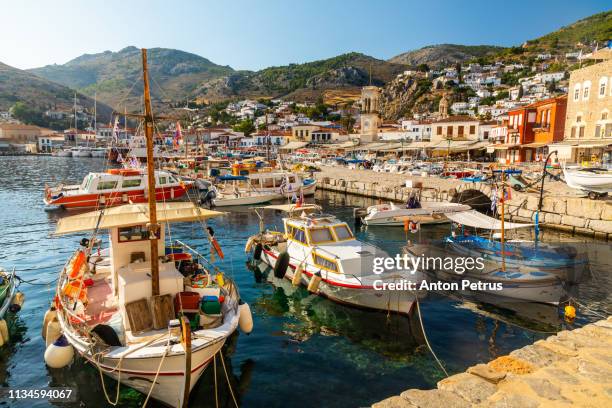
[
  {"x": 145, "y": 320},
  {"x": 320, "y": 252},
  {"x": 10, "y": 301},
  {"x": 115, "y": 187}
]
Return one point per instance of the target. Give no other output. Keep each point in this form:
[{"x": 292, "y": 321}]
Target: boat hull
[
  {"x": 76, "y": 201},
  {"x": 366, "y": 297},
  {"x": 245, "y": 200}
]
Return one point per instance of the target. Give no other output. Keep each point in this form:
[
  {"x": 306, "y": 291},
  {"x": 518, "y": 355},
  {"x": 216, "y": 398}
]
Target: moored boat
[
  {"x": 423, "y": 213},
  {"x": 320, "y": 252},
  {"x": 115, "y": 187},
  {"x": 598, "y": 181},
  {"x": 10, "y": 301}
]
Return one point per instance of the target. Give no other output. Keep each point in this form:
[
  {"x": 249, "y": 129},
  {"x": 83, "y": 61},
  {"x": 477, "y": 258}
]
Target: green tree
[
  {"x": 245, "y": 126},
  {"x": 423, "y": 68},
  {"x": 552, "y": 86}
]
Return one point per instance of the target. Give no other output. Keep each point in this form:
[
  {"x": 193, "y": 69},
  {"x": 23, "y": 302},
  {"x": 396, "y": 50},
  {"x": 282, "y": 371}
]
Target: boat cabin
[{"x": 124, "y": 180}]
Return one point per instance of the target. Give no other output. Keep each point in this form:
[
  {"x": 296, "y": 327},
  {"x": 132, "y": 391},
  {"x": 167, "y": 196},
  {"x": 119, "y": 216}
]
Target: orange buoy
[
  {"x": 75, "y": 290},
  {"x": 406, "y": 225},
  {"x": 217, "y": 247}
]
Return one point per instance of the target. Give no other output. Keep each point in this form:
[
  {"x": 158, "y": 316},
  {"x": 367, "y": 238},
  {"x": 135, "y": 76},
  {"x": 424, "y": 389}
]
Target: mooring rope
[{"x": 427, "y": 341}]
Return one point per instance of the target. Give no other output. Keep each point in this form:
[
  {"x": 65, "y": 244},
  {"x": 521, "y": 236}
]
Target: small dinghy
[{"x": 11, "y": 301}]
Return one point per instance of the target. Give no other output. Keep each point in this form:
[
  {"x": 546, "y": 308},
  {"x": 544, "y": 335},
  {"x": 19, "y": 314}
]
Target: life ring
[{"x": 414, "y": 227}]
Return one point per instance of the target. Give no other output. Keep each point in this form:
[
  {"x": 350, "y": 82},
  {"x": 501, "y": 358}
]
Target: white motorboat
[
  {"x": 99, "y": 152},
  {"x": 81, "y": 152},
  {"x": 287, "y": 184},
  {"x": 231, "y": 197},
  {"x": 63, "y": 153},
  {"x": 320, "y": 252},
  {"x": 427, "y": 213},
  {"x": 589, "y": 180}
]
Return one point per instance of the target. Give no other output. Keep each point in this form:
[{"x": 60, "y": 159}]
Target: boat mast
[
  {"x": 153, "y": 225},
  {"x": 76, "y": 126},
  {"x": 503, "y": 216}
]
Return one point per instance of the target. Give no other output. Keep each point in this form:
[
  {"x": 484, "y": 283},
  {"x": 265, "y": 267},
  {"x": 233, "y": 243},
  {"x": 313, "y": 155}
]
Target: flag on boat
[
  {"x": 300, "y": 200},
  {"x": 178, "y": 135},
  {"x": 507, "y": 194},
  {"x": 116, "y": 130},
  {"x": 494, "y": 200}
]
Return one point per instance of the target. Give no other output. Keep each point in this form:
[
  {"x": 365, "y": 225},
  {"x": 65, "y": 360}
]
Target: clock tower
[{"x": 370, "y": 119}]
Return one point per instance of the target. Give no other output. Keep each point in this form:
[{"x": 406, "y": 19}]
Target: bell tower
[{"x": 370, "y": 119}]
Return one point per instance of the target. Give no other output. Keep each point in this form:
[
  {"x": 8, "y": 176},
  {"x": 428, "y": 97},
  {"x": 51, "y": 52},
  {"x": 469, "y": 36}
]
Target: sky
[{"x": 260, "y": 33}]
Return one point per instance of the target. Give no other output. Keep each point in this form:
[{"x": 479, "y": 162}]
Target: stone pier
[
  {"x": 569, "y": 369},
  {"x": 562, "y": 209}
]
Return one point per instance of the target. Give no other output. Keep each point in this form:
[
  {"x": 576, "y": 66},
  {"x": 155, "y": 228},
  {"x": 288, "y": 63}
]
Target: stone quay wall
[
  {"x": 560, "y": 210},
  {"x": 569, "y": 369}
]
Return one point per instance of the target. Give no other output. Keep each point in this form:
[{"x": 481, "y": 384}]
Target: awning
[
  {"x": 293, "y": 146},
  {"x": 455, "y": 146},
  {"x": 133, "y": 214},
  {"x": 535, "y": 144},
  {"x": 475, "y": 219},
  {"x": 590, "y": 145}
]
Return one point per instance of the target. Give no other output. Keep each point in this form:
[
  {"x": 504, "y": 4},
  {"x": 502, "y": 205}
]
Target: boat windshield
[
  {"x": 320, "y": 235},
  {"x": 343, "y": 232}
]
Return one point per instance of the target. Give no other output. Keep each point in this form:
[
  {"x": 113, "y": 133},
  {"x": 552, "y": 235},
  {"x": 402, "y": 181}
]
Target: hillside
[
  {"x": 40, "y": 94},
  {"x": 305, "y": 81},
  {"x": 111, "y": 74},
  {"x": 595, "y": 28},
  {"x": 441, "y": 55}
]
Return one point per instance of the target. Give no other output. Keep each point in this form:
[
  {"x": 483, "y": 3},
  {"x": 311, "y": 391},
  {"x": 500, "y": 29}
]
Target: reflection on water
[{"x": 304, "y": 349}]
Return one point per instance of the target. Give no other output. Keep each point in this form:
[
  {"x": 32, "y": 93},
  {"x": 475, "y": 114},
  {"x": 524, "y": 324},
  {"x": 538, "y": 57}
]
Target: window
[
  {"x": 603, "y": 82},
  {"x": 576, "y": 92},
  {"x": 520, "y": 119},
  {"x": 343, "y": 232},
  {"x": 548, "y": 117},
  {"x": 163, "y": 180},
  {"x": 485, "y": 135},
  {"x": 573, "y": 131},
  {"x": 597, "y": 130},
  {"x": 320, "y": 235},
  {"x": 585, "y": 94},
  {"x": 132, "y": 183},
  {"x": 460, "y": 130},
  {"x": 439, "y": 130},
  {"x": 581, "y": 132},
  {"x": 604, "y": 115},
  {"x": 107, "y": 185},
  {"x": 297, "y": 234},
  {"x": 135, "y": 233},
  {"x": 472, "y": 129},
  {"x": 449, "y": 130},
  {"x": 325, "y": 263},
  {"x": 578, "y": 118},
  {"x": 586, "y": 87},
  {"x": 608, "y": 130}
]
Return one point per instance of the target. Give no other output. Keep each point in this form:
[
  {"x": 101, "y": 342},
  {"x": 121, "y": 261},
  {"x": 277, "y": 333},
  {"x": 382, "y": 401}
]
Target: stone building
[
  {"x": 370, "y": 117},
  {"x": 588, "y": 121}
]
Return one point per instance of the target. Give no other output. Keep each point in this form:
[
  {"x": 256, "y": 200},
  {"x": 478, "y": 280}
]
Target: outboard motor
[{"x": 209, "y": 199}]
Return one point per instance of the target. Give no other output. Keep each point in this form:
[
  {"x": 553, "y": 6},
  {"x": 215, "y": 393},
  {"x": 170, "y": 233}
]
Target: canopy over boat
[
  {"x": 133, "y": 214},
  {"x": 475, "y": 219}
]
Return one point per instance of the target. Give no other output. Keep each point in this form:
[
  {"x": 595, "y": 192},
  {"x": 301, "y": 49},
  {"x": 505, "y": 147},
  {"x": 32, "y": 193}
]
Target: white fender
[
  {"x": 313, "y": 285},
  {"x": 19, "y": 299},
  {"x": 297, "y": 276},
  {"x": 4, "y": 331},
  {"x": 249, "y": 245},
  {"x": 59, "y": 353},
  {"x": 54, "y": 331},
  {"x": 245, "y": 320},
  {"x": 49, "y": 316}
]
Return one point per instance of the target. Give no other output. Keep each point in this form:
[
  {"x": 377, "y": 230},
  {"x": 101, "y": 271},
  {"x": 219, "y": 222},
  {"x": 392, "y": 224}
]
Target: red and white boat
[{"x": 115, "y": 187}]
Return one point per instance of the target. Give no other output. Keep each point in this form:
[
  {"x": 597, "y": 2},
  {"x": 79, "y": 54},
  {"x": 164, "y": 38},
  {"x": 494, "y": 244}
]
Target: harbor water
[{"x": 304, "y": 350}]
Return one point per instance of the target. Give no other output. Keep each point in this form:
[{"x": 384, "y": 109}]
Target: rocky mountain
[
  {"x": 442, "y": 55},
  {"x": 110, "y": 75},
  {"x": 41, "y": 94},
  {"x": 303, "y": 81}
]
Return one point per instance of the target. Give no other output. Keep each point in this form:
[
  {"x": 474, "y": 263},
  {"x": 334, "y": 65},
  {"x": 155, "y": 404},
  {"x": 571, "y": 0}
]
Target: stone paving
[{"x": 569, "y": 369}]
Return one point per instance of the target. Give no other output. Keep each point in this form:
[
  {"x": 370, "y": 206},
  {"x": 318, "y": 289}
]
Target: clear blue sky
[{"x": 259, "y": 33}]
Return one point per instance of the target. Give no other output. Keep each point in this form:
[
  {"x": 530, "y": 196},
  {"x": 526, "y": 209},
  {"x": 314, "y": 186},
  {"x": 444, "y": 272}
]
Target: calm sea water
[{"x": 304, "y": 351}]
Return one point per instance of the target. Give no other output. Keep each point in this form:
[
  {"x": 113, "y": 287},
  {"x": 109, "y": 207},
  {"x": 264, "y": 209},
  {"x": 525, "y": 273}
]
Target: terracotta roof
[{"x": 457, "y": 118}]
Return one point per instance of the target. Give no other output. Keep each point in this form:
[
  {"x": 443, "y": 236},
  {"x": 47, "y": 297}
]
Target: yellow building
[{"x": 588, "y": 121}]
